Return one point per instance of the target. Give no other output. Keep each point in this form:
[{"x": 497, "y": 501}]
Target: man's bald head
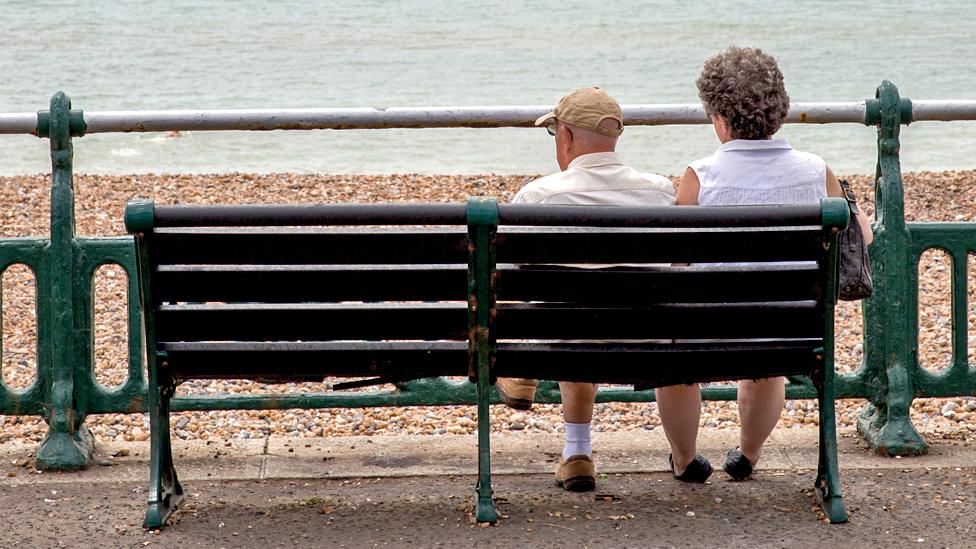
[
  {"x": 599, "y": 141},
  {"x": 574, "y": 141}
]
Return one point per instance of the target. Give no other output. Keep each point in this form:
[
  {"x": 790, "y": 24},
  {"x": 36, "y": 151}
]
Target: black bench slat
[
  {"x": 769, "y": 215},
  {"x": 633, "y": 285},
  {"x": 234, "y": 215},
  {"x": 680, "y": 321},
  {"x": 658, "y": 245},
  {"x": 313, "y": 322},
  {"x": 284, "y": 284},
  {"x": 304, "y": 346},
  {"x": 515, "y": 245},
  {"x": 657, "y": 364},
  {"x": 288, "y": 246},
  {"x": 439, "y": 321},
  {"x": 281, "y": 284},
  {"x": 432, "y": 321},
  {"x": 230, "y": 215},
  {"x": 314, "y": 360}
]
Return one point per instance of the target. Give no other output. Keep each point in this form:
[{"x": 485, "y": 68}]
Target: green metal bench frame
[{"x": 486, "y": 356}]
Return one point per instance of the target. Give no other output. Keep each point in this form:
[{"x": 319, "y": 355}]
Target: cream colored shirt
[{"x": 598, "y": 179}]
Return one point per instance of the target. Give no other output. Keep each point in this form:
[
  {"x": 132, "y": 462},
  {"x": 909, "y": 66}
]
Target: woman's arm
[
  {"x": 834, "y": 189},
  {"x": 687, "y": 195},
  {"x": 688, "y": 189}
]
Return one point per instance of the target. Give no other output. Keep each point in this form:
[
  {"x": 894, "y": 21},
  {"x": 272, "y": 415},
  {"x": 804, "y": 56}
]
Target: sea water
[{"x": 217, "y": 54}]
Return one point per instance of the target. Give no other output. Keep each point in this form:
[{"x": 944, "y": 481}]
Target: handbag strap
[{"x": 849, "y": 195}]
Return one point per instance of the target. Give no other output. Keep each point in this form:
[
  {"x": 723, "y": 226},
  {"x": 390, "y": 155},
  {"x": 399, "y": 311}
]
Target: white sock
[{"x": 577, "y": 440}]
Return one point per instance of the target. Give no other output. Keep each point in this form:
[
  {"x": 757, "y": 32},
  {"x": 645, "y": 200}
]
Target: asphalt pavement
[{"x": 396, "y": 491}]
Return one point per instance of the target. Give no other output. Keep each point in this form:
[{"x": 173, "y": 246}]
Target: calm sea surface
[{"x": 139, "y": 54}]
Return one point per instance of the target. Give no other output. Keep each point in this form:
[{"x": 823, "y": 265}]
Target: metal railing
[
  {"x": 852, "y": 112},
  {"x": 64, "y": 265}
]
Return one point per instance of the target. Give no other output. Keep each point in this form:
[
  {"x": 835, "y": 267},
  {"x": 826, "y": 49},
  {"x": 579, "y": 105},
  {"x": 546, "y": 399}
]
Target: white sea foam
[{"x": 126, "y": 152}]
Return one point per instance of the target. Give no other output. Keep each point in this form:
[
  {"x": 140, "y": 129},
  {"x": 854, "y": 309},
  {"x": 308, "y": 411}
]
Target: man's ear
[{"x": 567, "y": 139}]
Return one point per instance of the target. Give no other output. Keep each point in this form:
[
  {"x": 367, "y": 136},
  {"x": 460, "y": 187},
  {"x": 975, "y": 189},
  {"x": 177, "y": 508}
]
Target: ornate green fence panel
[
  {"x": 892, "y": 375},
  {"x": 64, "y": 265},
  {"x": 29, "y": 252}
]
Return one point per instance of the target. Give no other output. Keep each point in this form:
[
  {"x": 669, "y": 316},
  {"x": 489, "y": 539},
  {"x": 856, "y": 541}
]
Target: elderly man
[{"x": 586, "y": 124}]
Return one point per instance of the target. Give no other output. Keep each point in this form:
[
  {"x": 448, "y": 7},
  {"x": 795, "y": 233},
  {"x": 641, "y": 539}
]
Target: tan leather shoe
[
  {"x": 516, "y": 392},
  {"x": 576, "y": 474}
]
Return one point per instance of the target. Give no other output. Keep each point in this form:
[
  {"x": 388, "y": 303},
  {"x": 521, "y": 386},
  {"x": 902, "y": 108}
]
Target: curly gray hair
[{"x": 745, "y": 87}]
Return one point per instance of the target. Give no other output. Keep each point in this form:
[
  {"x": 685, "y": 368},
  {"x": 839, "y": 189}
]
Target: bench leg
[
  {"x": 165, "y": 492},
  {"x": 827, "y": 486},
  {"x": 484, "y": 505}
]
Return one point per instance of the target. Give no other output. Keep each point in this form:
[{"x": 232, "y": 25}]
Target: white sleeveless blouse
[{"x": 768, "y": 171}]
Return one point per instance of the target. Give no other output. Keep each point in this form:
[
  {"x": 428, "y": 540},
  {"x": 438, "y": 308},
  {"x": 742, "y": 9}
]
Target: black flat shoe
[
  {"x": 697, "y": 471},
  {"x": 737, "y": 465}
]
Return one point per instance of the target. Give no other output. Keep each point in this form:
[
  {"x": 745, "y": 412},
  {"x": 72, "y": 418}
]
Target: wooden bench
[{"x": 407, "y": 291}]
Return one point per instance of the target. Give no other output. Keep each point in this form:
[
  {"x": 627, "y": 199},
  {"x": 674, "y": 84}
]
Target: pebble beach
[{"x": 929, "y": 196}]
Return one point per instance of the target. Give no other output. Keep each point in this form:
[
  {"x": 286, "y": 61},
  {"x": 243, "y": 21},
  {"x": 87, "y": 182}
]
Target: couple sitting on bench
[
  {"x": 305, "y": 291},
  {"x": 743, "y": 94}
]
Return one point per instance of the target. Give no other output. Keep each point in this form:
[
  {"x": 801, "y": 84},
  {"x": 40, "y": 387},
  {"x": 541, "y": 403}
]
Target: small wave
[
  {"x": 167, "y": 136},
  {"x": 126, "y": 152}
]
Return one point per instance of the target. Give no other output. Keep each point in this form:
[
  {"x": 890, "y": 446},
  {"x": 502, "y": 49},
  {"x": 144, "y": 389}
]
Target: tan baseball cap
[{"x": 586, "y": 108}]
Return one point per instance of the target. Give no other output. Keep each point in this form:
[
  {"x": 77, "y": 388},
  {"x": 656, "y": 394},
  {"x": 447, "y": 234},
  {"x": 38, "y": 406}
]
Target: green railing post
[
  {"x": 890, "y": 344},
  {"x": 68, "y": 443}
]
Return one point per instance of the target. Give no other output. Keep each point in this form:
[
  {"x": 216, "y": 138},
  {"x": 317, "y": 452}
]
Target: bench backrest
[
  {"x": 286, "y": 291},
  {"x": 280, "y": 290}
]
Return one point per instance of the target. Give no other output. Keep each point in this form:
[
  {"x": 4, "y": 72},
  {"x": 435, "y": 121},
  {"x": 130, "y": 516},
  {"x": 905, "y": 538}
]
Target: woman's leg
[
  {"x": 680, "y": 409},
  {"x": 760, "y": 407}
]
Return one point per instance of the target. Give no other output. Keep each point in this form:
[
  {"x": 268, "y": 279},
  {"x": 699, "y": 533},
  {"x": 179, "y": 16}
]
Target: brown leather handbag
[{"x": 854, "y": 278}]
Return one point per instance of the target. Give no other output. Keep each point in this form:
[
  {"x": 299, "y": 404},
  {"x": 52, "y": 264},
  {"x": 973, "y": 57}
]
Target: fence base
[
  {"x": 889, "y": 435},
  {"x": 66, "y": 451}
]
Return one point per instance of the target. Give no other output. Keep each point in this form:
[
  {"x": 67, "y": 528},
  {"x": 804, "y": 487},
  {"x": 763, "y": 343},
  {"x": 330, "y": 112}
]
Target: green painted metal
[
  {"x": 29, "y": 252},
  {"x": 68, "y": 443},
  {"x": 891, "y": 349},
  {"x": 827, "y": 485},
  {"x": 139, "y": 215},
  {"x": 873, "y": 109},
  {"x": 64, "y": 266},
  {"x": 76, "y": 123},
  {"x": 958, "y": 240},
  {"x": 482, "y": 231},
  {"x": 92, "y": 396},
  {"x": 165, "y": 492},
  {"x": 836, "y": 214}
]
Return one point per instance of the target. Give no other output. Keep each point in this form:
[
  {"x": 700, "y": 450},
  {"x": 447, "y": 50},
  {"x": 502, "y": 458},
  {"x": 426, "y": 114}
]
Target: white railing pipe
[{"x": 445, "y": 117}]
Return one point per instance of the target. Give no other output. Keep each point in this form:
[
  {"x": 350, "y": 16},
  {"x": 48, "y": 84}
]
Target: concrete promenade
[{"x": 416, "y": 491}]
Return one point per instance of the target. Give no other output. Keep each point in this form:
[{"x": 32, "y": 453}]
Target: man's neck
[
  {"x": 571, "y": 161},
  {"x": 589, "y": 151}
]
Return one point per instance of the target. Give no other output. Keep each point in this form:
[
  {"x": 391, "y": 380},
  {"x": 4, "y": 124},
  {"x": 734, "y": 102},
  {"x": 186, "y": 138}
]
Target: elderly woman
[{"x": 743, "y": 94}]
